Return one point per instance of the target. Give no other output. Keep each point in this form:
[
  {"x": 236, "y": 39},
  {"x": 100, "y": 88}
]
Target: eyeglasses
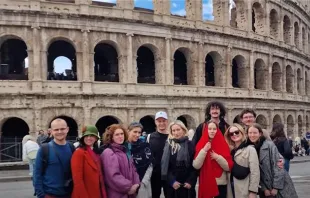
[{"x": 233, "y": 133}]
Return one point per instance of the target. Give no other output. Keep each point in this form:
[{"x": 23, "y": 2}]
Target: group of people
[{"x": 238, "y": 161}]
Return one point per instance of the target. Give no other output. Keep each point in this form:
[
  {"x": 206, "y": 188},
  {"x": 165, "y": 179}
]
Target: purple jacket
[{"x": 119, "y": 172}]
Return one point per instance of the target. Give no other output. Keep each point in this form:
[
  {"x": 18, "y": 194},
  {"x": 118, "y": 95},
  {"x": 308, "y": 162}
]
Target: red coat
[{"x": 85, "y": 175}]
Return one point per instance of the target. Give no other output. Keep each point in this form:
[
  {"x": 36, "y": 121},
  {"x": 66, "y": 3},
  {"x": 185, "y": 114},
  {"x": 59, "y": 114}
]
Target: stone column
[
  {"x": 302, "y": 86},
  {"x": 280, "y": 27},
  {"x": 161, "y": 7},
  {"x": 304, "y": 122},
  {"x": 125, "y": 4},
  {"x": 228, "y": 67},
  {"x": 285, "y": 121},
  {"x": 229, "y": 115},
  {"x": 87, "y": 68},
  {"x": 267, "y": 20},
  {"x": 79, "y": 65},
  {"x": 37, "y": 120},
  {"x": 292, "y": 39},
  {"x": 31, "y": 69},
  {"x": 131, "y": 115},
  {"x": 87, "y": 116},
  {"x": 36, "y": 37},
  {"x": 249, "y": 16},
  {"x": 131, "y": 71},
  {"x": 251, "y": 83},
  {"x": 300, "y": 44},
  {"x": 296, "y": 132},
  {"x": 44, "y": 64},
  {"x": 169, "y": 63},
  {"x": 201, "y": 65},
  {"x": 269, "y": 69},
  {"x": 295, "y": 82},
  {"x": 225, "y": 12},
  {"x": 194, "y": 10}
]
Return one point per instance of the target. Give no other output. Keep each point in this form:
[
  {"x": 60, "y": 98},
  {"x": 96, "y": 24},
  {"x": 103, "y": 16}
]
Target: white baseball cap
[{"x": 161, "y": 114}]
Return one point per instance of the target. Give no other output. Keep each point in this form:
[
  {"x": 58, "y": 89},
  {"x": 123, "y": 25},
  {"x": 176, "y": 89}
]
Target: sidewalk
[{"x": 18, "y": 171}]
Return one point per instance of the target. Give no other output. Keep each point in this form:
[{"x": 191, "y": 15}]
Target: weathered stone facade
[{"x": 266, "y": 51}]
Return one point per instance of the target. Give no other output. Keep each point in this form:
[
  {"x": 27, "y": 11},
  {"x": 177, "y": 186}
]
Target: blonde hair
[
  {"x": 174, "y": 145},
  {"x": 228, "y": 138}
]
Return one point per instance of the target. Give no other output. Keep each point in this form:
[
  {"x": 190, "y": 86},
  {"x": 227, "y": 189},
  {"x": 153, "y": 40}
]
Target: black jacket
[
  {"x": 157, "y": 142},
  {"x": 284, "y": 147}
]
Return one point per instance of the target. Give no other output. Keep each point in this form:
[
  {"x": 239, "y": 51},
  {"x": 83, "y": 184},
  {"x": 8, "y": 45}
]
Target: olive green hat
[{"x": 90, "y": 130}]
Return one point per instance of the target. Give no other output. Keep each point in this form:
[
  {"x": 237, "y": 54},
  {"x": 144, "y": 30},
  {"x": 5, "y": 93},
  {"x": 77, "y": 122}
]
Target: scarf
[
  {"x": 96, "y": 159},
  {"x": 210, "y": 169},
  {"x": 182, "y": 155}
]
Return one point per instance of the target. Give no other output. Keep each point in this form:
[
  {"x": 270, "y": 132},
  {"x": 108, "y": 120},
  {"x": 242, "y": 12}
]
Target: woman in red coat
[{"x": 86, "y": 167}]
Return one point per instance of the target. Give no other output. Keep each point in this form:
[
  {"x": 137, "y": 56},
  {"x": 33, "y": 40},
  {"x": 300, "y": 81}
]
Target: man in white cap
[{"x": 157, "y": 142}]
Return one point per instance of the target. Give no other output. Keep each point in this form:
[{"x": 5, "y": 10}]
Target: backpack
[{"x": 45, "y": 153}]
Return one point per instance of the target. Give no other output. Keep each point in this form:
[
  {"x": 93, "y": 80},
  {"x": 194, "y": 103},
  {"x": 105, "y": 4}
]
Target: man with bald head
[{"x": 53, "y": 171}]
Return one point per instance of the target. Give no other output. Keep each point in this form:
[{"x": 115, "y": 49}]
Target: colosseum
[{"x": 128, "y": 62}]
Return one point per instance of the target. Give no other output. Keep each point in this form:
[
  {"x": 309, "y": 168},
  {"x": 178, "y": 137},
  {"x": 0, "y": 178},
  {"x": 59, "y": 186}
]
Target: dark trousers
[
  {"x": 180, "y": 193},
  {"x": 222, "y": 191},
  {"x": 157, "y": 184}
]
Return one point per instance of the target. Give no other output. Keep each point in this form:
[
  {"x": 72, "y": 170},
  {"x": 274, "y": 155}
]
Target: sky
[{"x": 177, "y": 8}]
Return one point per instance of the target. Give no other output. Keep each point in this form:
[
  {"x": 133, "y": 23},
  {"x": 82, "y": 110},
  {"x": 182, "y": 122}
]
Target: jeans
[
  {"x": 287, "y": 164},
  {"x": 32, "y": 167}
]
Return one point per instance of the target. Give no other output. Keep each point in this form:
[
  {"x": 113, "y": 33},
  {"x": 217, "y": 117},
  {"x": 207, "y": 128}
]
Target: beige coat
[{"x": 247, "y": 157}]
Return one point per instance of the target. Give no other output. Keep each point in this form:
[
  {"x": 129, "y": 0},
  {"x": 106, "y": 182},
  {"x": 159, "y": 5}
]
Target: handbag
[{"x": 240, "y": 172}]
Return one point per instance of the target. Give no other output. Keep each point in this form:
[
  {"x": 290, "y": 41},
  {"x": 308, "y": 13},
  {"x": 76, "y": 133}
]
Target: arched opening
[
  {"x": 104, "y": 122},
  {"x": 300, "y": 132},
  {"x": 277, "y": 119},
  {"x": 148, "y": 124},
  {"x": 260, "y": 119},
  {"x": 106, "y": 63},
  {"x": 258, "y": 18},
  {"x": 276, "y": 77},
  {"x": 289, "y": 79},
  {"x": 73, "y": 127},
  {"x": 64, "y": 50},
  {"x": 233, "y": 14},
  {"x": 180, "y": 68},
  {"x": 209, "y": 71},
  {"x": 237, "y": 119},
  {"x": 260, "y": 74},
  {"x": 178, "y": 8},
  {"x": 274, "y": 23},
  {"x": 13, "y": 130},
  {"x": 304, "y": 47},
  {"x": 214, "y": 70},
  {"x": 290, "y": 126},
  {"x": 296, "y": 34},
  {"x": 299, "y": 81},
  {"x": 145, "y": 65},
  {"x": 188, "y": 121},
  {"x": 307, "y": 84},
  {"x": 13, "y": 59},
  {"x": 239, "y": 72},
  {"x": 287, "y": 29}
]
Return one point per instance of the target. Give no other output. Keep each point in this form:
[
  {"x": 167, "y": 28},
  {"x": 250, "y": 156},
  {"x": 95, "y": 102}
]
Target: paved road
[{"x": 299, "y": 172}]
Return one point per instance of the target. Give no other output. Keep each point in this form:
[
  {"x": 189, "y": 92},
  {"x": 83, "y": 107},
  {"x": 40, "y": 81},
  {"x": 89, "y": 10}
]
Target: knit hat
[{"x": 90, "y": 130}]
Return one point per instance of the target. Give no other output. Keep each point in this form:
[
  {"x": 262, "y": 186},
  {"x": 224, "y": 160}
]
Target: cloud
[
  {"x": 180, "y": 12},
  {"x": 207, "y": 10},
  {"x": 174, "y": 5}
]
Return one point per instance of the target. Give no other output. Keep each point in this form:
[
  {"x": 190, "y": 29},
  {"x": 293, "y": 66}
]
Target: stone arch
[
  {"x": 240, "y": 74},
  {"x": 290, "y": 125},
  {"x": 299, "y": 81},
  {"x": 14, "y": 127},
  {"x": 289, "y": 79},
  {"x": 148, "y": 123},
  {"x": 286, "y": 29},
  {"x": 106, "y": 67},
  {"x": 146, "y": 64},
  {"x": 307, "y": 123},
  {"x": 299, "y": 121},
  {"x": 181, "y": 66},
  {"x": 307, "y": 84},
  {"x": 72, "y": 124},
  {"x": 277, "y": 119},
  {"x": 258, "y": 18},
  {"x": 260, "y": 74},
  {"x": 188, "y": 120},
  {"x": 260, "y": 119},
  {"x": 214, "y": 69},
  {"x": 13, "y": 58},
  {"x": 106, "y": 121},
  {"x": 276, "y": 77},
  {"x": 296, "y": 34},
  {"x": 274, "y": 23},
  {"x": 61, "y": 47},
  {"x": 304, "y": 45}
]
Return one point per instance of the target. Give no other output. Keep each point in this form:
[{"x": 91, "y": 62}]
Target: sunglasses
[{"x": 233, "y": 133}]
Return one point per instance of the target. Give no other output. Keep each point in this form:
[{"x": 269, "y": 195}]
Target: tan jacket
[
  {"x": 247, "y": 157},
  {"x": 199, "y": 160}
]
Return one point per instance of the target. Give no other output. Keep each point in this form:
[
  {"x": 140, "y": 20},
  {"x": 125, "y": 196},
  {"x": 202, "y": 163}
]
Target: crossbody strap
[{"x": 62, "y": 165}]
